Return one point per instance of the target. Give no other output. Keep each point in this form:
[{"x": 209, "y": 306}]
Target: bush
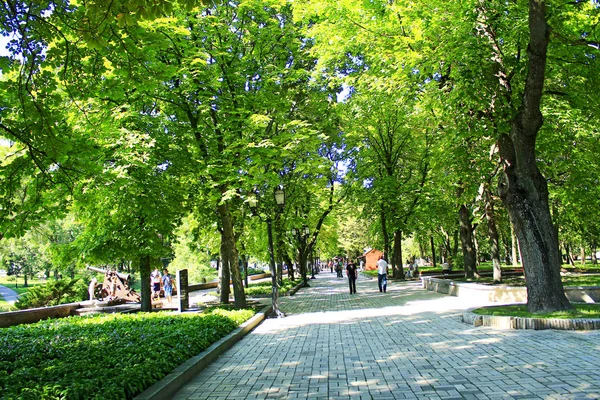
[
  {"x": 264, "y": 288},
  {"x": 53, "y": 293},
  {"x": 114, "y": 356}
]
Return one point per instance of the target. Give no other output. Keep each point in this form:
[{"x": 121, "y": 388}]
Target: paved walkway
[
  {"x": 408, "y": 343},
  {"x": 9, "y": 295}
]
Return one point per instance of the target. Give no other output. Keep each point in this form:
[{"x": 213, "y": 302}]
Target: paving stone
[{"x": 408, "y": 343}]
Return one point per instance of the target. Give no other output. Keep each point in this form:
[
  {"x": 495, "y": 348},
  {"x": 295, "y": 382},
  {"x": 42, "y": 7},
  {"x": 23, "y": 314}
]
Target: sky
[{"x": 3, "y": 42}]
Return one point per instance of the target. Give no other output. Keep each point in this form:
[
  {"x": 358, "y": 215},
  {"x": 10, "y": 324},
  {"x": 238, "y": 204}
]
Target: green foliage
[
  {"x": 264, "y": 288},
  {"x": 54, "y": 292},
  {"x": 104, "y": 357},
  {"x": 580, "y": 311}
]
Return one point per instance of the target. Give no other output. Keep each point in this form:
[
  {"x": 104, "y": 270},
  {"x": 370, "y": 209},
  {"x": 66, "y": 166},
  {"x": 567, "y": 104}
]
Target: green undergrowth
[
  {"x": 520, "y": 310},
  {"x": 114, "y": 356},
  {"x": 264, "y": 288}
]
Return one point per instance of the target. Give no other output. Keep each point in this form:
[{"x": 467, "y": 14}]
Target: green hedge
[
  {"x": 264, "y": 288},
  {"x": 114, "y": 356}
]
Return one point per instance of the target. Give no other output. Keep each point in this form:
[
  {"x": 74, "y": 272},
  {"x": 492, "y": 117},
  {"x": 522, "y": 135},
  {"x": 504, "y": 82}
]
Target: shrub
[
  {"x": 114, "y": 356},
  {"x": 61, "y": 291},
  {"x": 264, "y": 288}
]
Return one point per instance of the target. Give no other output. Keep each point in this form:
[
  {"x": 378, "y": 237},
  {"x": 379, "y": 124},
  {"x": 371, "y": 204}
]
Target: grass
[
  {"x": 580, "y": 311},
  {"x": 17, "y": 286}
]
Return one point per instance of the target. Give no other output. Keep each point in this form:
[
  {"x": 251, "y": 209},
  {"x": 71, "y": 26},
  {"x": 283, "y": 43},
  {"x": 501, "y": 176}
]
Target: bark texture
[
  {"x": 145, "y": 277},
  {"x": 398, "y": 269},
  {"x": 467, "y": 243},
  {"x": 230, "y": 258},
  {"x": 522, "y": 187},
  {"x": 493, "y": 234}
]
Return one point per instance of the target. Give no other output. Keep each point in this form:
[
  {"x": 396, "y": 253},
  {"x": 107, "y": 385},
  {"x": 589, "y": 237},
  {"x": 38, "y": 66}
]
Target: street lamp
[{"x": 280, "y": 201}]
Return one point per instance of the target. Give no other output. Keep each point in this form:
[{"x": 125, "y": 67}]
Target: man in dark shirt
[{"x": 352, "y": 274}]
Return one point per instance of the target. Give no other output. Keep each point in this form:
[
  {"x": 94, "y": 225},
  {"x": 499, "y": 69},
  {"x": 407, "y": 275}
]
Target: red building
[{"x": 370, "y": 258}]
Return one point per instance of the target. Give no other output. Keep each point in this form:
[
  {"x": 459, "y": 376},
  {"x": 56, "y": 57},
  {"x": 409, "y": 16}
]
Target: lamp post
[{"x": 280, "y": 201}]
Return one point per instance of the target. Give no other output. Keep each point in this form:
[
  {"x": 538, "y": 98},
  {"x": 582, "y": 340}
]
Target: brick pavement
[{"x": 408, "y": 343}]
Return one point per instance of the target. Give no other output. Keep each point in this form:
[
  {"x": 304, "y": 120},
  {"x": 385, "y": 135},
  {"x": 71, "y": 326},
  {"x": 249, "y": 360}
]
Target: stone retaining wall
[
  {"x": 37, "y": 314},
  {"x": 501, "y": 322}
]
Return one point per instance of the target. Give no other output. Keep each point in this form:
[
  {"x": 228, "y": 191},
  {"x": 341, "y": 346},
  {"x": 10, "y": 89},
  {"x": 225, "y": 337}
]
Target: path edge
[
  {"x": 506, "y": 322},
  {"x": 185, "y": 372}
]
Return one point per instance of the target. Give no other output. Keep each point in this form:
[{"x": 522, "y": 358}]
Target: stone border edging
[
  {"x": 502, "y": 322},
  {"x": 170, "y": 384},
  {"x": 503, "y": 293}
]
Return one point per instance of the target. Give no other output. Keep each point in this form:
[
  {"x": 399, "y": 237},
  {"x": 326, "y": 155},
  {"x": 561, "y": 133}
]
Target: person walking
[
  {"x": 352, "y": 274},
  {"x": 167, "y": 283},
  {"x": 382, "y": 267}
]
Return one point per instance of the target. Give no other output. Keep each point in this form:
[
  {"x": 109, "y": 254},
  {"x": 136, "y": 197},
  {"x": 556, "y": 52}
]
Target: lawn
[
  {"x": 520, "y": 310},
  {"x": 115, "y": 356}
]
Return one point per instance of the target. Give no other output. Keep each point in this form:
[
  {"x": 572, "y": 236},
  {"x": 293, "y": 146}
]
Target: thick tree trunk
[
  {"x": 145, "y": 283},
  {"x": 398, "y": 270},
  {"x": 466, "y": 240},
  {"x": 522, "y": 187},
  {"x": 224, "y": 275},
  {"x": 303, "y": 260},
  {"x": 594, "y": 259},
  {"x": 582, "y": 255},
  {"x": 493, "y": 234},
  {"x": 228, "y": 245}
]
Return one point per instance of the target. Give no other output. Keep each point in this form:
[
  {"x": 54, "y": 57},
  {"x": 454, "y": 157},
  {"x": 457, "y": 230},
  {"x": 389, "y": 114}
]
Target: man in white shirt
[{"x": 382, "y": 267}]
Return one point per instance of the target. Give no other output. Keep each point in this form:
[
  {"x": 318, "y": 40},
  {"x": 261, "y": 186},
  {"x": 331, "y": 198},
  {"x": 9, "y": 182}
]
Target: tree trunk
[
  {"x": 397, "y": 269},
  {"x": 466, "y": 240},
  {"x": 386, "y": 241},
  {"x": 514, "y": 245},
  {"x": 493, "y": 233},
  {"x": 145, "y": 283},
  {"x": 582, "y": 255},
  {"x": 228, "y": 244},
  {"x": 290, "y": 265},
  {"x": 244, "y": 271},
  {"x": 569, "y": 255},
  {"x": 594, "y": 259},
  {"x": 522, "y": 187},
  {"x": 224, "y": 276},
  {"x": 432, "y": 251}
]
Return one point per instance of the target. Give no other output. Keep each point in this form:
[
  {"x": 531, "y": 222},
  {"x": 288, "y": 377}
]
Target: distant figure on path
[
  {"x": 167, "y": 282},
  {"x": 352, "y": 274},
  {"x": 155, "y": 280},
  {"x": 382, "y": 267}
]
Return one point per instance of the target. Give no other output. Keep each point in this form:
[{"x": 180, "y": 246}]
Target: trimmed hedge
[
  {"x": 265, "y": 288},
  {"x": 114, "y": 356}
]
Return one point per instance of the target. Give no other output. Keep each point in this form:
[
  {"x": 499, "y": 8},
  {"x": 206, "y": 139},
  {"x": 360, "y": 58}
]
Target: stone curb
[
  {"x": 500, "y": 322},
  {"x": 170, "y": 384}
]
